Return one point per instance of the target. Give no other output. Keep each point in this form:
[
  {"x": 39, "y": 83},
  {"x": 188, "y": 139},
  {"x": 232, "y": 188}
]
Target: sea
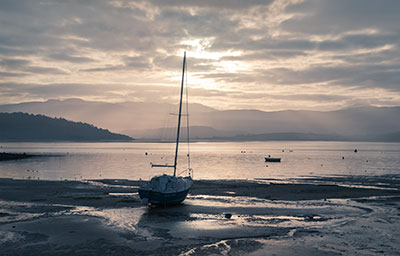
[{"x": 209, "y": 160}]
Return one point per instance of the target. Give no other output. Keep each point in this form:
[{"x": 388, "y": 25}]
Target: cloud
[
  {"x": 13, "y": 63},
  {"x": 12, "y": 74},
  {"x": 69, "y": 58},
  {"x": 24, "y": 66},
  {"x": 335, "y": 17},
  {"x": 213, "y": 4},
  {"x": 249, "y": 54}
]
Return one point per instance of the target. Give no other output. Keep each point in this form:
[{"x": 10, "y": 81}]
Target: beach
[
  {"x": 263, "y": 127},
  {"x": 354, "y": 215}
]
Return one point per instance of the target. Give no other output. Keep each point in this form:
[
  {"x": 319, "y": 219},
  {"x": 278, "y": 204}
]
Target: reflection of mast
[{"x": 180, "y": 113}]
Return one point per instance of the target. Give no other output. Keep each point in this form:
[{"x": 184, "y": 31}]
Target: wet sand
[{"x": 313, "y": 216}]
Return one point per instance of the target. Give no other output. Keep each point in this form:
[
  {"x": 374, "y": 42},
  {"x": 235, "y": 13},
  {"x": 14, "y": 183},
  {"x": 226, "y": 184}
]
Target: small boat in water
[
  {"x": 272, "y": 159},
  {"x": 167, "y": 189}
]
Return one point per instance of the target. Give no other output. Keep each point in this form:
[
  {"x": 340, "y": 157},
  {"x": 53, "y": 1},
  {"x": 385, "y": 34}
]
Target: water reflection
[{"x": 210, "y": 160}]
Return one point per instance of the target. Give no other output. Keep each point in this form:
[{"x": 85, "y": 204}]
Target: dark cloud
[
  {"x": 44, "y": 70},
  {"x": 69, "y": 58},
  {"x": 137, "y": 62},
  {"x": 14, "y": 51},
  {"x": 103, "y": 69},
  {"x": 11, "y": 74},
  {"x": 13, "y": 63},
  {"x": 358, "y": 41},
  {"x": 335, "y": 17},
  {"x": 24, "y": 66}
]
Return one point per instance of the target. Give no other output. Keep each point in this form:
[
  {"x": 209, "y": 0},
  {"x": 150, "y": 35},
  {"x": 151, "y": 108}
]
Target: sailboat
[{"x": 170, "y": 189}]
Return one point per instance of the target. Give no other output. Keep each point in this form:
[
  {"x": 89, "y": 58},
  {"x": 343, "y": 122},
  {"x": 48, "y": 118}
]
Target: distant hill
[
  {"x": 29, "y": 127},
  {"x": 146, "y": 120},
  {"x": 345, "y": 122},
  {"x": 383, "y": 137}
]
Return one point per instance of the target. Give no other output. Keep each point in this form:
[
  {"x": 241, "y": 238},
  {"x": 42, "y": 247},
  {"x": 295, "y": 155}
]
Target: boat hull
[
  {"x": 272, "y": 159},
  {"x": 158, "y": 198}
]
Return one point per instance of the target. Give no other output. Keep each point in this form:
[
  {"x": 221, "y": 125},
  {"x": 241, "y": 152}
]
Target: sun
[{"x": 218, "y": 62}]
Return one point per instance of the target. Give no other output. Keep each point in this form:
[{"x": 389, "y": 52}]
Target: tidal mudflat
[{"x": 313, "y": 216}]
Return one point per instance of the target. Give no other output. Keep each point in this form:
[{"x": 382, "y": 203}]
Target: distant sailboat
[{"x": 167, "y": 189}]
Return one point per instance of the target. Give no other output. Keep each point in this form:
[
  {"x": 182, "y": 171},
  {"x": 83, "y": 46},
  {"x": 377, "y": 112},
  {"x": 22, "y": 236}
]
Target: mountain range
[{"x": 150, "y": 120}]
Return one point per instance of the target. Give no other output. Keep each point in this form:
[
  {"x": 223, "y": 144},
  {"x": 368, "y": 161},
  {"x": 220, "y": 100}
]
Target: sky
[{"x": 267, "y": 55}]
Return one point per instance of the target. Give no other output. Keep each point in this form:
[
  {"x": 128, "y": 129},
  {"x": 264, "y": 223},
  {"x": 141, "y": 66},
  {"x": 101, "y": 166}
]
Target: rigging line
[
  {"x": 164, "y": 134},
  {"x": 187, "y": 119}
]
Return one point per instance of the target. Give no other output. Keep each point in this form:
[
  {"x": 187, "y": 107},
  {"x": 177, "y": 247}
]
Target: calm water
[{"x": 210, "y": 160}]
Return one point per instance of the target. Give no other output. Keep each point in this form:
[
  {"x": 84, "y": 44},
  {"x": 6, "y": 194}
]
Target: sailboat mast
[{"x": 180, "y": 113}]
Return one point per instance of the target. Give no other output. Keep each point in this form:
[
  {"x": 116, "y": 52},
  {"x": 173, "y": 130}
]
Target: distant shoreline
[
  {"x": 227, "y": 140},
  {"x": 14, "y": 156},
  {"x": 20, "y": 156},
  {"x": 191, "y": 141},
  {"x": 62, "y": 141}
]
